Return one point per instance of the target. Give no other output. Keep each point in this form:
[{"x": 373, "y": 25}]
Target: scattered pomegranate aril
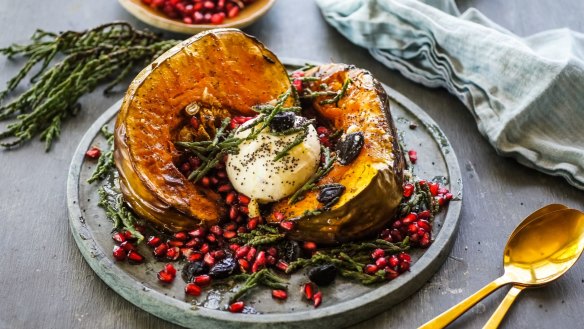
[
  {"x": 236, "y": 307},
  {"x": 322, "y": 131},
  {"x": 244, "y": 209},
  {"x": 209, "y": 260},
  {"x": 243, "y": 265},
  {"x": 243, "y": 199},
  {"x": 160, "y": 250},
  {"x": 198, "y": 233},
  {"x": 175, "y": 243},
  {"x": 448, "y": 196},
  {"x": 413, "y": 155},
  {"x": 173, "y": 253},
  {"x": 297, "y": 83},
  {"x": 119, "y": 237},
  {"x": 153, "y": 241},
  {"x": 218, "y": 254},
  {"x": 424, "y": 214},
  {"x": 216, "y": 229},
  {"x": 165, "y": 277},
  {"x": 404, "y": 266},
  {"x": 205, "y": 181},
  {"x": 251, "y": 254},
  {"x": 370, "y": 269},
  {"x": 93, "y": 153},
  {"x": 202, "y": 280},
  {"x": 192, "y": 289},
  {"x": 229, "y": 234},
  {"x": 194, "y": 257},
  {"x": 182, "y": 236},
  {"x": 434, "y": 188},
  {"x": 234, "y": 11},
  {"x": 309, "y": 289},
  {"x": 230, "y": 198},
  {"x": 282, "y": 265},
  {"x": 279, "y": 216},
  {"x": 119, "y": 253},
  {"x": 211, "y": 238},
  {"x": 404, "y": 257},
  {"x": 260, "y": 261},
  {"x": 309, "y": 246},
  {"x": 287, "y": 225},
  {"x": 127, "y": 246},
  {"x": 242, "y": 252},
  {"x": 272, "y": 251},
  {"x": 233, "y": 212},
  {"x": 134, "y": 257},
  {"x": 192, "y": 243},
  {"x": 391, "y": 274},
  {"x": 377, "y": 253},
  {"x": 393, "y": 261},
  {"x": 252, "y": 223},
  {"x": 279, "y": 294},
  {"x": 381, "y": 262},
  {"x": 408, "y": 190},
  {"x": 224, "y": 188},
  {"x": 317, "y": 299}
]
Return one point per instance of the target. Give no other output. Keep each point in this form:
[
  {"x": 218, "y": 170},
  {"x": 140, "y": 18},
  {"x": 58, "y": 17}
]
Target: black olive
[
  {"x": 223, "y": 268},
  {"x": 323, "y": 275},
  {"x": 283, "y": 121},
  {"x": 190, "y": 270},
  {"x": 349, "y": 148},
  {"x": 330, "y": 194},
  {"x": 289, "y": 251}
]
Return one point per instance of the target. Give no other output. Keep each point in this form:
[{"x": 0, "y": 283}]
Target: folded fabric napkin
[{"x": 527, "y": 95}]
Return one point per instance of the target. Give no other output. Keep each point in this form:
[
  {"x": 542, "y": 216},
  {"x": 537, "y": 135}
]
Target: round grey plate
[{"x": 344, "y": 302}]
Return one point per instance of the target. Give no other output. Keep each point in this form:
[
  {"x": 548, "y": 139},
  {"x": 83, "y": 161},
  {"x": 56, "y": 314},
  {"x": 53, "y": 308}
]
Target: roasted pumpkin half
[
  {"x": 373, "y": 177},
  {"x": 225, "y": 73}
]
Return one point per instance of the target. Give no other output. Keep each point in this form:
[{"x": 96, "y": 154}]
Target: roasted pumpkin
[
  {"x": 222, "y": 68},
  {"x": 372, "y": 180},
  {"x": 224, "y": 73}
]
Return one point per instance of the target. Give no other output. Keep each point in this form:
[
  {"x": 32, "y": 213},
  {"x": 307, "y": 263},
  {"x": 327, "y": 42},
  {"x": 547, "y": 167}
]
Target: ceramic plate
[
  {"x": 148, "y": 15},
  {"x": 344, "y": 303}
]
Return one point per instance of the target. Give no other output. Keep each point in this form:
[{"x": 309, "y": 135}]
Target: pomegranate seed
[
  {"x": 324, "y": 140},
  {"x": 205, "y": 181},
  {"x": 211, "y": 238},
  {"x": 236, "y": 307},
  {"x": 233, "y": 213},
  {"x": 297, "y": 74},
  {"x": 230, "y": 198},
  {"x": 160, "y": 250},
  {"x": 224, "y": 188},
  {"x": 287, "y": 225},
  {"x": 408, "y": 190},
  {"x": 134, "y": 257},
  {"x": 242, "y": 252},
  {"x": 214, "y": 180},
  {"x": 272, "y": 251},
  {"x": 119, "y": 253},
  {"x": 231, "y": 226},
  {"x": 381, "y": 262},
  {"x": 279, "y": 216},
  {"x": 244, "y": 209},
  {"x": 425, "y": 241},
  {"x": 411, "y": 217},
  {"x": 252, "y": 223},
  {"x": 216, "y": 229},
  {"x": 229, "y": 234},
  {"x": 422, "y": 182},
  {"x": 173, "y": 253},
  {"x": 441, "y": 201},
  {"x": 194, "y": 121},
  {"x": 279, "y": 294},
  {"x": 251, "y": 254},
  {"x": 202, "y": 280},
  {"x": 243, "y": 265},
  {"x": 195, "y": 257},
  {"x": 217, "y": 18},
  {"x": 209, "y": 260},
  {"x": 404, "y": 257},
  {"x": 308, "y": 290},
  {"x": 192, "y": 243},
  {"x": 182, "y": 236},
  {"x": 93, "y": 153},
  {"x": 309, "y": 246},
  {"x": 393, "y": 261},
  {"x": 297, "y": 83},
  {"x": 218, "y": 254},
  {"x": 186, "y": 252},
  {"x": 243, "y": 199},
  {"x": 396, "y": 235},
  {"x": 424, "y": 224},
  {"x": 241, "y": 229},
  {"x": 260, "y": 261},
  {"x": 322, "y": 131},
  {"x": 129, "y": 235},
  {"x": 198, "y": 233},
  {"x": 424, "y": 214},
  {"x": 370, "y": 269},
  {"x": 127, "y": 246},
  {"x": 165, "y": 277},
  {"x": 317, "y": 299},
  {"x": 413, "y": 228},
  {"x": 434, "y": 188},
  {"x": 153, "y": 241},
  {"x": 194, "y": 162},
  {"x": 223, "y": 174},
  {"x": 404, "y": 266},
  {"x": 270, "y": 259},
  {"x": 413, "y": 155},
  {"x": 234, "y": 11},
  {"x": 169, "y": 268},
  {"x": 377, "y": 253},
  {"x": 118, "y": 237},
  {"x": 192, "y": 289},
  {"x": 234, "y": 247},
  {"x": 282, "y": 265},
  {"x": 391, "y": 274},
  {"x": 175, "y": 243},
  {"x": 448, "y": 196}
]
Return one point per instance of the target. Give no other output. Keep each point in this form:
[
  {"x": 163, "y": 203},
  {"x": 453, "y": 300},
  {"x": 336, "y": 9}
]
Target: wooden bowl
[{"x": 156, "y": 18}]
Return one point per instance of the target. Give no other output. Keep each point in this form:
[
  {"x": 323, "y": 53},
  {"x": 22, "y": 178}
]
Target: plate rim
[{"x": 182, "y": 313}]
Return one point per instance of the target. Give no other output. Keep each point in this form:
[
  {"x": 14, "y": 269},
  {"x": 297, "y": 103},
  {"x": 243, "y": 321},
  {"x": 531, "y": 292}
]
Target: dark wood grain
[{"x": 45, "y": 283}]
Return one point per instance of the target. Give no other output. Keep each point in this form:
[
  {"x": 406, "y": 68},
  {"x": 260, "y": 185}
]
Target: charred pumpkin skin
[
  {"x": 223, "y": 68},
  {"x": 373, "y": 181}
]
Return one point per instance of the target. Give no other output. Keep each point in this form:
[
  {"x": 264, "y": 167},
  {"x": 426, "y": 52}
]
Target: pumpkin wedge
[
  {"x": 372, "y": 180},
  {"x": 222, "y": 68}
]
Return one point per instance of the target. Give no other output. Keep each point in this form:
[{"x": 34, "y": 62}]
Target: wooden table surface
[{"x": 45, "y": 283}]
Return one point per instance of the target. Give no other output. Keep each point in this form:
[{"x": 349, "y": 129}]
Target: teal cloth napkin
[{"x": 527, "y": 95}]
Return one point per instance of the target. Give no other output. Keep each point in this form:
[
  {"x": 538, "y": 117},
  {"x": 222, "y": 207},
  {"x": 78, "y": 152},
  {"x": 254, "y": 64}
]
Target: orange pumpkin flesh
[{"x": 222, "y": 68}]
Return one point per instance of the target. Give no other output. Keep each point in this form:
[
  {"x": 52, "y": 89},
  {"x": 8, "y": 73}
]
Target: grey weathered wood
[{"x": 45, "y": 283}]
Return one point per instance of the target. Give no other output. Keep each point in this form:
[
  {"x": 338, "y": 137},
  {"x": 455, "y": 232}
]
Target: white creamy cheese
[{"x": 255, "y": 173}]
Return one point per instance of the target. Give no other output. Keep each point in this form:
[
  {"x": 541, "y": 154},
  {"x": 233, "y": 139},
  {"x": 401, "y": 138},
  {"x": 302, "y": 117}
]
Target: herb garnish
[
  {"x": 263, "y": 277},
  {"x": 103, "y": 54},
  {"x": 105, "y": 163},
  {"x": 117, "y": 211},
  {"x": 324, "y": 169},
  {"x": 339, "y": 95},
  {"x": 263, "y": 234}
]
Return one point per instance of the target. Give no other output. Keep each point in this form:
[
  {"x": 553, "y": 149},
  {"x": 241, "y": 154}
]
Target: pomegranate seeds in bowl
[{"x": 199, "y": 11}]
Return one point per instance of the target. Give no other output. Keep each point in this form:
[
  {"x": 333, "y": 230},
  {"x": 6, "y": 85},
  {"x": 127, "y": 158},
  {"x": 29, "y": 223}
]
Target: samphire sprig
[
  {"x": 262, "y": 235},
  {"x": 324, "y": 169},
  {"x": 350, "y": 259},
  {"x": 104, "y": 54},
  {"x": 117, "y": 211},
  {"x": 105, "y": 163},
  {"x": 263, "y": 277}
]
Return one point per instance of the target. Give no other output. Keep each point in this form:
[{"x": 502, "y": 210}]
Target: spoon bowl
[{"x": 541, "y": 249}]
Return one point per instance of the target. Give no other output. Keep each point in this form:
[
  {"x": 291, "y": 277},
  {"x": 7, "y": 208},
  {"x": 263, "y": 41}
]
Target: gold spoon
[
  {"x": 501, "y": 311},
  {"x": 540, "y": 250}
]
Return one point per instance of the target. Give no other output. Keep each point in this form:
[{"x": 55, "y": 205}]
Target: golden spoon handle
[
  {"x": 500, "y": 312},
  {"x": 447, "y": 317}
]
